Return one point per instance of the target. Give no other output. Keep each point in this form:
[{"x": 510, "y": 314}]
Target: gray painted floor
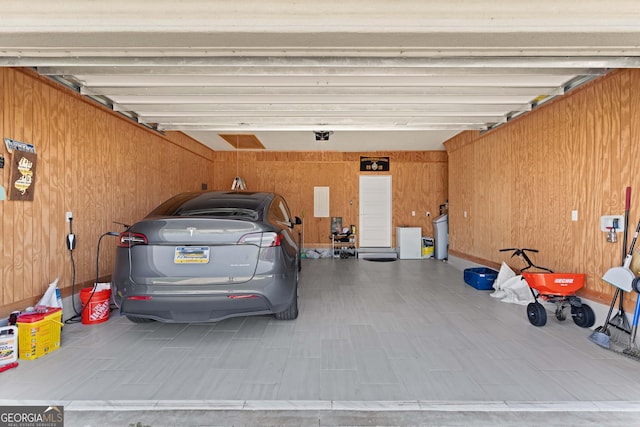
[{"x": 380, "y": 343}]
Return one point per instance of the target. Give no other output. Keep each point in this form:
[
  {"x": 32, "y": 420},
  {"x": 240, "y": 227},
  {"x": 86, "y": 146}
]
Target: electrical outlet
[
  {"x": 69, "y": 216},
  {"x": 428, "y": 213},
  {"x": 413, "y": 213},
  {"x": 574, "y": 215},
  {"x": 465, "y": 214}
]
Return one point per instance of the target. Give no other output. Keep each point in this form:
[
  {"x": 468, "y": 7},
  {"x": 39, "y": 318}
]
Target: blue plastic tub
[{"x": 481, "y": 278}]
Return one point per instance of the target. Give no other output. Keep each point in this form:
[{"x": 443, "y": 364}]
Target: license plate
[{"x": 191, "y": 255}]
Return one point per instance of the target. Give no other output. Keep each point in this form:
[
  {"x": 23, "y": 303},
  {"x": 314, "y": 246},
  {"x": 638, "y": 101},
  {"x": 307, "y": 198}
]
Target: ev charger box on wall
[
  {"x": 481, "y": 278},
  {"x": 39, "y": 333}
]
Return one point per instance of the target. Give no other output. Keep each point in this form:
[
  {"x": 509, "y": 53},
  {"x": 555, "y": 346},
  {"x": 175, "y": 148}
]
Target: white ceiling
[{"x": 379, "y": 74}]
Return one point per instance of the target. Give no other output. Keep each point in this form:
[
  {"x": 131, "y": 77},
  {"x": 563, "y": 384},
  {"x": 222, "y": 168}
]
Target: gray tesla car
[{"x": 208, "y": 256}]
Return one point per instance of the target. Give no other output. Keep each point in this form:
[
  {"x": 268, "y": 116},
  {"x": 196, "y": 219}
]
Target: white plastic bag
[
  {"x": 98, "y": 287},
  {"x": 517, "y": 291},
  {"x": 504, "y": 275},
  {"x": 50, "y": 297}
]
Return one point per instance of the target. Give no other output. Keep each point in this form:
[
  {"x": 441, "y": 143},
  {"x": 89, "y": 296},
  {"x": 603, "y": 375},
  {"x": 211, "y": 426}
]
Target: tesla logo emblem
[{"x": 191, "y": 230}]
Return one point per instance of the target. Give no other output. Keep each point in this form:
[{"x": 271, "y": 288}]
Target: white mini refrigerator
[{"x": 409, "y": 242}]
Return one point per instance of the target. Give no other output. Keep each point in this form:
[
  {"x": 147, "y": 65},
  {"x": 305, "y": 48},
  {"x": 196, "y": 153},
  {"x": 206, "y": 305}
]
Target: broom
[{"x": 632, "y": 350}]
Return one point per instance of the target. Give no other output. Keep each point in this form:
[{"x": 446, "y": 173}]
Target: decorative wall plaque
[
  {"x": 23, "y": 176},
  {"x": 374, "y": 164}
]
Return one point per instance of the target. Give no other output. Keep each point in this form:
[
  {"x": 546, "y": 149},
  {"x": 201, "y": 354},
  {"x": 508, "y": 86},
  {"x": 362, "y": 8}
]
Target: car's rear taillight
[
  {"x": 128, "y": 239},
  {"x": 264, "y": 240}
]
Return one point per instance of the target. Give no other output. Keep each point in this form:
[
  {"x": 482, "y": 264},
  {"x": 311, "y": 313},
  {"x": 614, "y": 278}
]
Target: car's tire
[
  {"x": 583, "y": 316},
  {"x": 537, "y": 314},
  {"x": 136, "y": 319},
  {"x": 291, "y": 312}
]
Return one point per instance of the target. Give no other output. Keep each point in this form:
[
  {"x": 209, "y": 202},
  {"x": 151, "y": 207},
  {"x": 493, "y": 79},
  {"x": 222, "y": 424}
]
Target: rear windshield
[
  {"x": 193, "y": 204},
  {"x": 220, "y": 212}
]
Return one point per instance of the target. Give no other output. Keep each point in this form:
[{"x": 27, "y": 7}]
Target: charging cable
[{"x": 71, "y": 245}]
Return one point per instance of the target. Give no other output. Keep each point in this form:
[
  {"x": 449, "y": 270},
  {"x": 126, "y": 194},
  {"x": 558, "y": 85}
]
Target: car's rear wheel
[{"x": 136, "y": 319}]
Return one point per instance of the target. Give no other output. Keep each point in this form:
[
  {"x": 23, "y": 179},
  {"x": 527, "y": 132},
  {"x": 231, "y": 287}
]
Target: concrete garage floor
[{"x": 393, "y": 343}]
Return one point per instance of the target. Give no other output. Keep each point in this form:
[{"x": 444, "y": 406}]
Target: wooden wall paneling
[
  {"x": 102, "y": 195},
  {"x": 295, "y": 174},
  {"x": 491, "y": 197},
  {"x": 5, "y": 255},
  {"x": 575, "y": 153},
  {"x": 628, "y": 95},
  {"x": 7, "y": 208},
  {"x": 125, "y": 179},
  {"x": 59, "y": 176},
  {"x": 595, "y": 174},
  {"x": 465, "y": 196},
  {"x": 456, "y": 199},
  {"x": 500, "y": 204},
  {"x": 334, "y": 175},
  {"x": 608, "y": 129},
  {"x": 484, "y": 197},
  {"x": 145, "y": 174},
  {"x": 41, "y": 203},
  {"x": 70, "y": 135},
  {"x": 552, "y": 221},
  {"x": 577, "y": 132},
  {"x": 570, "y": 117},
  {"x": 509, "y": 185},
  {"x": 631, "y": 140},
  {"x": 105, "y": 134},
  {"x": 151, "y": 177},
  {"x": 561, "y": 180},
  {"x": 409, "y": 193},
  {"x": 344, "y": 187},
  {"x": 186, "y": 142},
  {"x": 21, "y": 250},
  {"x": 453, "y": 179},
  {"x": 85, "y": 165},
  {"x": 607, "y": 136},
  {"x": 632, "y": 109},
  {"x": 528, "y": 179},
  {"x": 522, "y": 183},
  {"x": 78, "y": 145},
  {"x": 52, "y": 233},
  {"x": 630, "y": 153}
]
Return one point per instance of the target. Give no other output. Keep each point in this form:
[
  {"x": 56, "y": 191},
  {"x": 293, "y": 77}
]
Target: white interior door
[{"x": 375, "y": 211}]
